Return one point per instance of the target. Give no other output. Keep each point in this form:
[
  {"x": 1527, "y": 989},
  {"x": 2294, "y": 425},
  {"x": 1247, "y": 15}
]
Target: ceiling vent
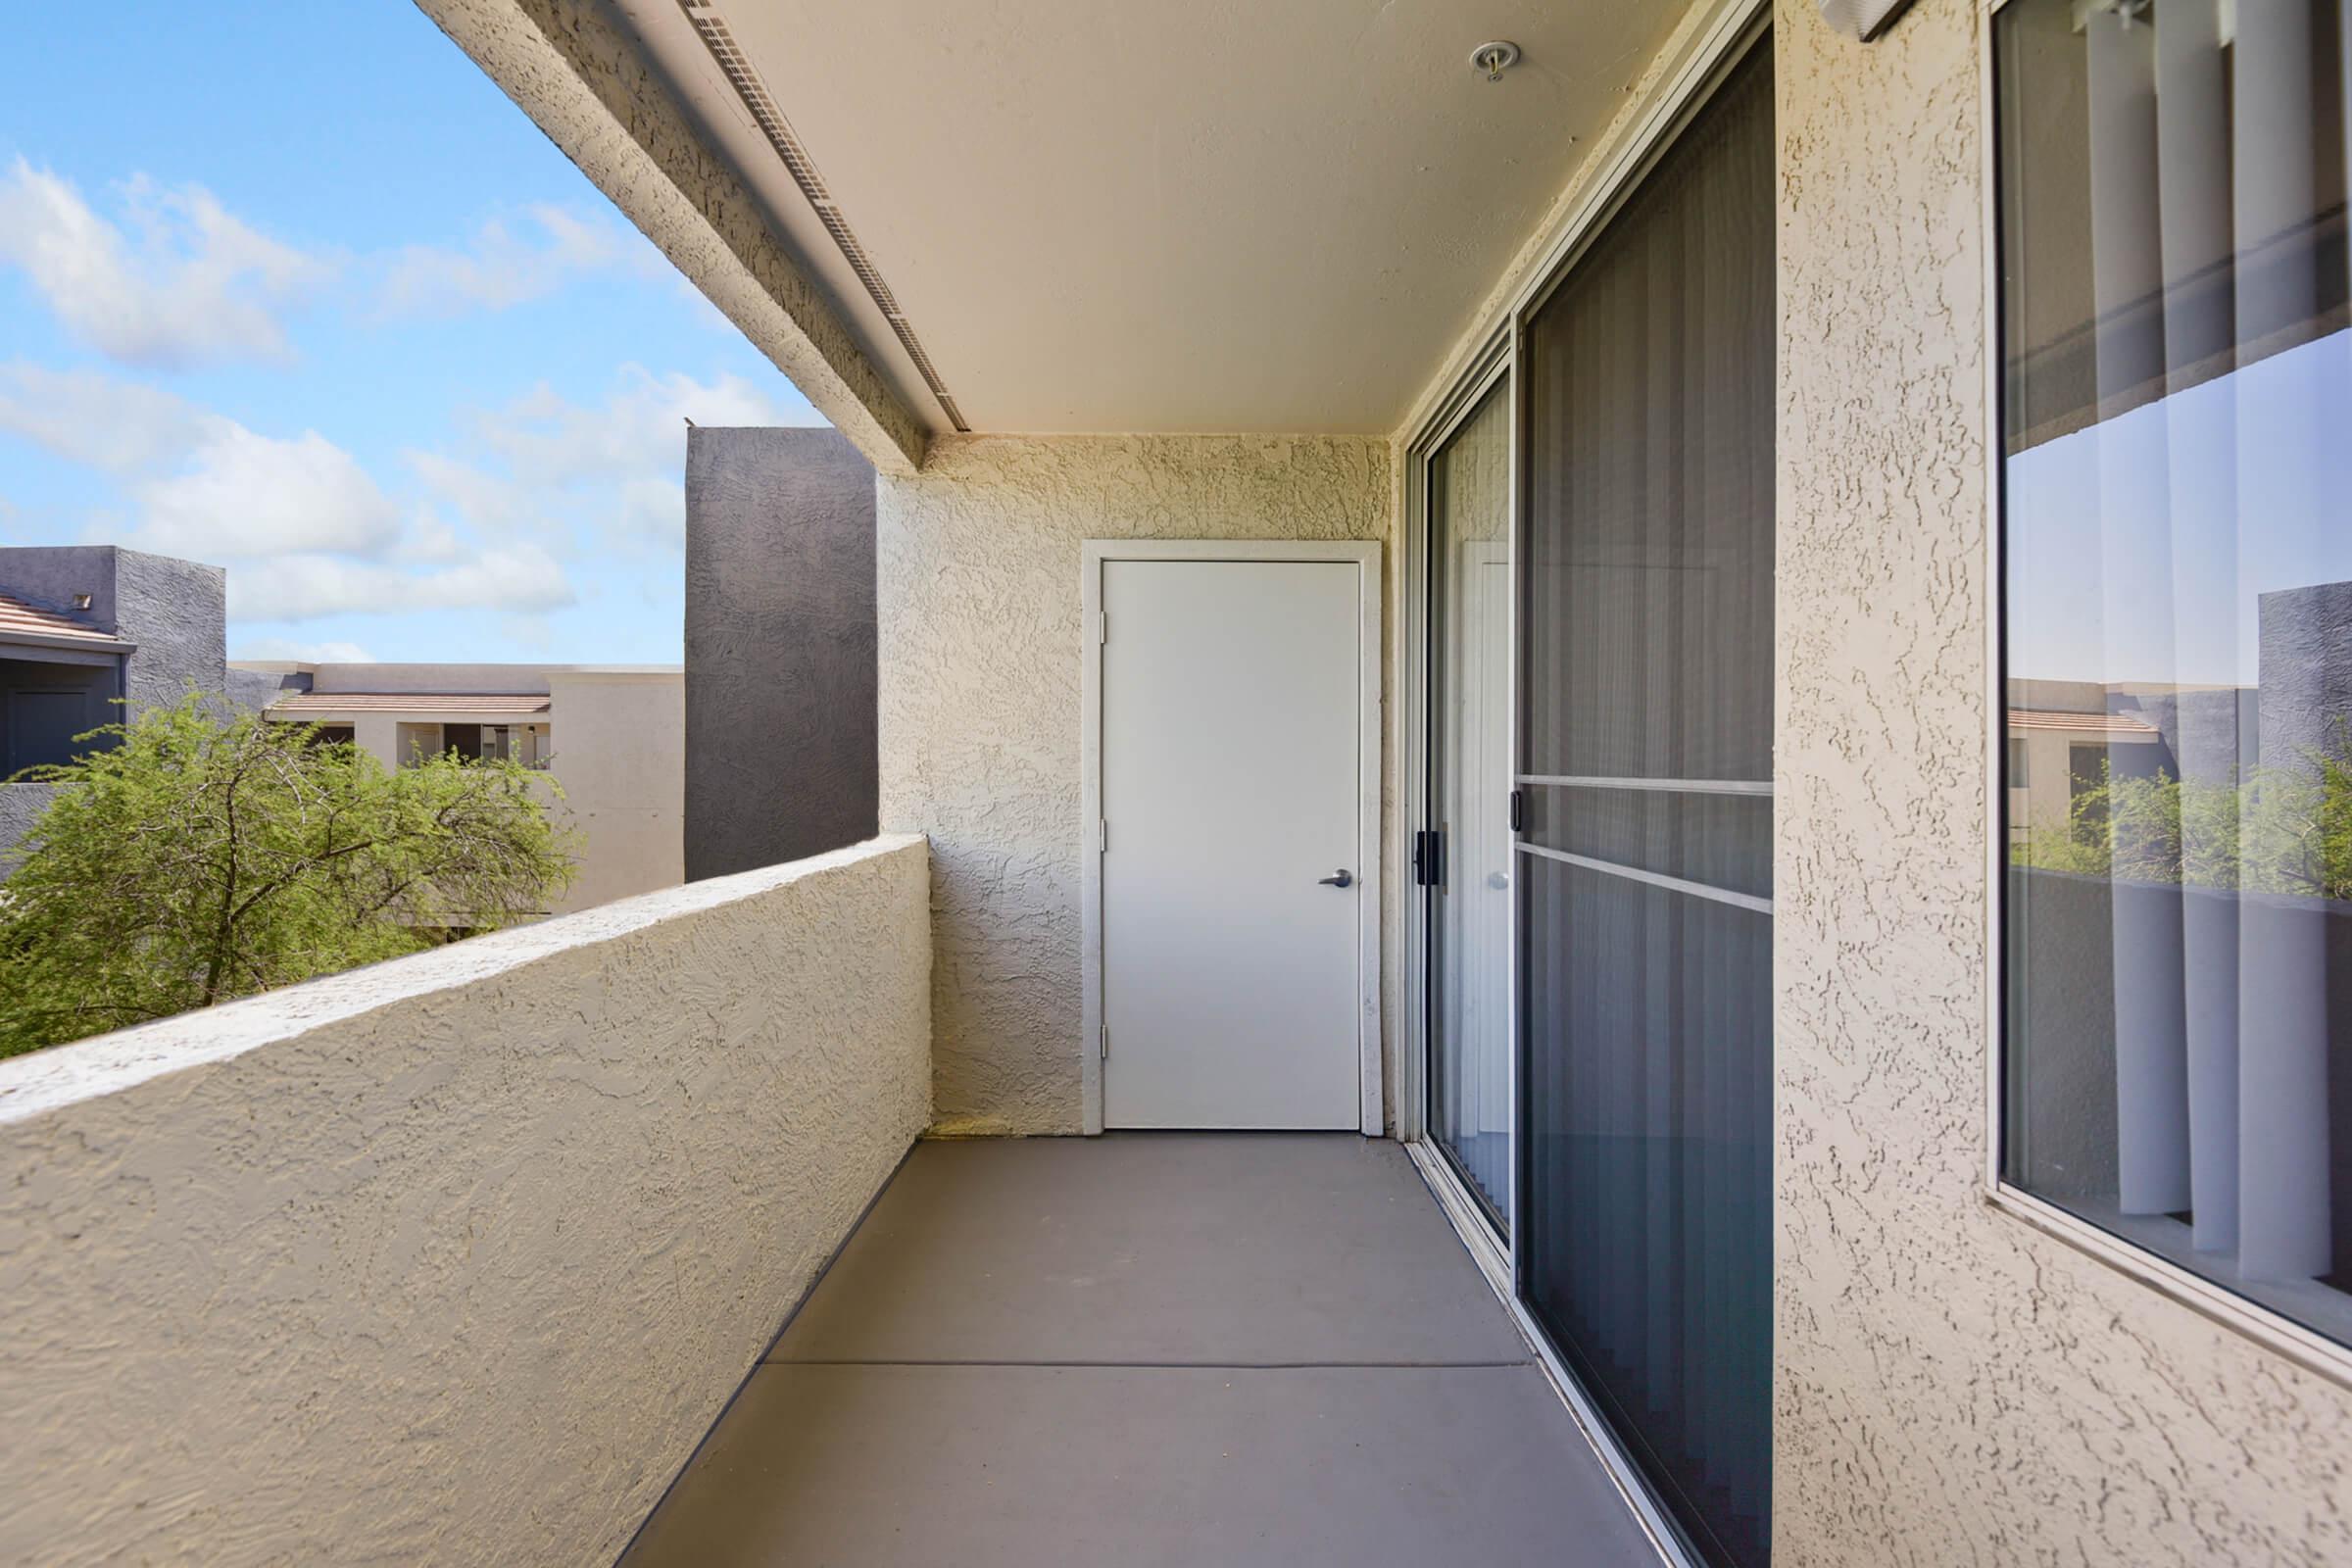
[{"x": 711, "y": 29}]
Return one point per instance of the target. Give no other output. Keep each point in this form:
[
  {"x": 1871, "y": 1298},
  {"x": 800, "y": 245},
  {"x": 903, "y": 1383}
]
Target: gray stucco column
[{"x": 780, "y": 679}]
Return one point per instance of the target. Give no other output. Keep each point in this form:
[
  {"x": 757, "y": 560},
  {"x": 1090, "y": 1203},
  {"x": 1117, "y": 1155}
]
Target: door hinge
[
  {"x": 1102, "y": 630},
  {"x": 1105, "y": 1042},
  {"x": 1518, "y": 810},
  {"x": 1102, "y": 835}
]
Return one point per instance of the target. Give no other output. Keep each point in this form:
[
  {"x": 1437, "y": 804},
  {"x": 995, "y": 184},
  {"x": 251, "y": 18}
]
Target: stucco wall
[
  {"x": 176, "y": 611},
  {"x": 455, "y": 1258},
  {"x": 20, "y": 806},
  {"x": 1953, "y": 1386},
  {"x": 779, "y": 646},
  {"x": 978, "y": 626}
]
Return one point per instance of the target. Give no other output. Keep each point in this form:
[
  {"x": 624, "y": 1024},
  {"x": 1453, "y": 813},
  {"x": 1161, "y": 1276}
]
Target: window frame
[{"x": 2308, "y": 1349}]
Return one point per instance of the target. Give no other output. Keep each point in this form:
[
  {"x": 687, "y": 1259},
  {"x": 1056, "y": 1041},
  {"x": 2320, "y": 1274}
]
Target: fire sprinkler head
[{"x": 1495, "y": 58}]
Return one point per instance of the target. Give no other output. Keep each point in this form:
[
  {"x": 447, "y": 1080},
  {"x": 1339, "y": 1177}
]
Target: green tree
[
  {"x": 2280, "y": 830},
  {"x": 199, "y": 859}
]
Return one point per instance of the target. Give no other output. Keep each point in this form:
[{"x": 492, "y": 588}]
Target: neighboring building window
[
  {"x": 2021, "y": 776},
  {"x": 2177, "y": 452}
]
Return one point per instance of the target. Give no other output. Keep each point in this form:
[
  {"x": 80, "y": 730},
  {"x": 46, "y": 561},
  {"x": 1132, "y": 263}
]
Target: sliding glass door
[
  {"x": 1594, "y": 842},
  {"x": 1643, "y": 871},
  {"x": 1465, "y": 857}
]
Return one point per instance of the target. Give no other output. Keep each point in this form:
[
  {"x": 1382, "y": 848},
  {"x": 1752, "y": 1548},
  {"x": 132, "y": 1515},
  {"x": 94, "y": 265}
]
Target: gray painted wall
[
  {"x": 256, "y": 689},
  {"x": 780, "y": 679},
  {"x": 2306, "y": 674},
  {"x": 20, "y": 806},
  {"x": 175, "y": 611}
]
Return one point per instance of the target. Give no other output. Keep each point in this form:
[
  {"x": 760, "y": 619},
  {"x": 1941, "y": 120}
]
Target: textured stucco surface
[
  {"x": 20, "y": 806},
  {"x": 1953, "y": 1386},
  {"x": 253, "y": 690},
  {"x": 779, "y": 647},
  {"x": 451, "y": 1259},
  {"x": 979, "y": 723},
  {"x": 175, "y": 611}
]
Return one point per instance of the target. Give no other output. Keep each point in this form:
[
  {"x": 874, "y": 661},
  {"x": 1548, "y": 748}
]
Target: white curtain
[{"x": 2180, "y": 390}]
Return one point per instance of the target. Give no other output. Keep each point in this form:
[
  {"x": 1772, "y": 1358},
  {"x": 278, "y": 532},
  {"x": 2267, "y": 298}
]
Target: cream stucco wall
[
  {"x": 454, "y": 1258},
  {"x": 978, "y": 561},
  {"x": 1954, "y": 1387}
]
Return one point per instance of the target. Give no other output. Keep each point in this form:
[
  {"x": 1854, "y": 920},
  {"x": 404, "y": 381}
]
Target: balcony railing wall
[{"x": 453, "y": 1259}]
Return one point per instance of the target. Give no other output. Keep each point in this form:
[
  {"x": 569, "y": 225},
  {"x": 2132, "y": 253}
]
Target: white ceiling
[{"x": 1131, "y": 214}]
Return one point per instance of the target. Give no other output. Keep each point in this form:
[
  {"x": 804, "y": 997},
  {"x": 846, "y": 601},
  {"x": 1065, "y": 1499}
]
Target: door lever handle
[{"x": 1345, "y": 879}]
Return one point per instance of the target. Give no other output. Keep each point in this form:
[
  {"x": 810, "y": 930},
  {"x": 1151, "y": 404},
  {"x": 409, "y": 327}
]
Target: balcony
[
  {"x": 459, "y": 1257},
  {"x": 1149, "y": 1347}
]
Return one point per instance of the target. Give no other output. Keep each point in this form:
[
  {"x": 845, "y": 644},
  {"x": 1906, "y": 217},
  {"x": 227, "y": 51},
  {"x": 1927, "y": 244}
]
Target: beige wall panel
[
  {"x": 1954, "y": 1387},
  {"x": 979, "y": 613}
]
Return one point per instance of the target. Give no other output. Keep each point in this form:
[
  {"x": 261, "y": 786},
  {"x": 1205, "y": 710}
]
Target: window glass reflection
[{"x": 2177, "y": 546}]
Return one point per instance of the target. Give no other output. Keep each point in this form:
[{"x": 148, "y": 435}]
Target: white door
[{"x": 1232, "y": 900}]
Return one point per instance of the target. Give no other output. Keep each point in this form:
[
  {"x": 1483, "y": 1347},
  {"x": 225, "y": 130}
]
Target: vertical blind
[
  {"x": 2178, "y": 391},
  {"x": 1645, "y": 864}
]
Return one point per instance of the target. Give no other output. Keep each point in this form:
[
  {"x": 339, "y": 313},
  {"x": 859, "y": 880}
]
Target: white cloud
[
  {"x": 651, "y": 509},
  {"x": 187, "y": 285},
  {"x": 549, "y": 439},
  {"x": 621, "y": 460},
  {"x": 518, "y": 579},
  {"x": 550, "y": 466},
  {"x": 85, "y": 416},
  {"x": 286, "y": 650},
  {"x": 509, "y": 264},
  {"x": 244, "y": 496}
]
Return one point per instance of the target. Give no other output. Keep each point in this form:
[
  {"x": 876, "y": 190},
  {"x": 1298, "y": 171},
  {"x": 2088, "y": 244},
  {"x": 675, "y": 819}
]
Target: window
[
  {"x": 2020, "y": 773},
  {"x": 2177, "y": 578}
]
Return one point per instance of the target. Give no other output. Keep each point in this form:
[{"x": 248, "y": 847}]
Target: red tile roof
[
  {"x": 19, "y": 618},
  {"x": 299, "y": 705},
  {"x": 2095, "y": 723}
]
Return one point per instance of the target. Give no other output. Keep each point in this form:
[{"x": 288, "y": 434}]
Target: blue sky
[
  {"x": 2140, "y": 547},
  {"x": 299, "y": 292}
]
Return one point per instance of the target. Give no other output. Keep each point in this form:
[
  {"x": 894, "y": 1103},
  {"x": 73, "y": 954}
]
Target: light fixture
[
  {"x": 1495, "y": 58},
  {"x": 82, "y": 601},
  {"x": 1862, "y": 19}
]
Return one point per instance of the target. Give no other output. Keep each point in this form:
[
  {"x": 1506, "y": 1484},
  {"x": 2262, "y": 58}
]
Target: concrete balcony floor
[{"x": 1147, "y": 1348}]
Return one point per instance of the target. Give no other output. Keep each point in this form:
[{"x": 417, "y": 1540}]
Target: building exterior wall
[
  {"x": 252, "y": 688},
  {"x": 617, "y": 738},
  {"x": 20, "y": 806},
  {"x": 453, "y": 1259},
  {"x": 779, "y": 647},
  {"x": 979, "y": 632},
  {"x": 176, "y": 611},
  {"x": 2305, "y": 675},
  {"x": 504, "y": 680},
  {"x": 1954, "y": 1385},
  {"x": 620, "y": 741}
]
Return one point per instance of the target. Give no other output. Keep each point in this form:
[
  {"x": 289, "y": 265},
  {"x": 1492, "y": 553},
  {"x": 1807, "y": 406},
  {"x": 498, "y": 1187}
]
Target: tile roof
[
  {"x": 297, "y": 705},
  {"x": 21, "y": 618},
  {"x": 2091, "y": 723}
]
